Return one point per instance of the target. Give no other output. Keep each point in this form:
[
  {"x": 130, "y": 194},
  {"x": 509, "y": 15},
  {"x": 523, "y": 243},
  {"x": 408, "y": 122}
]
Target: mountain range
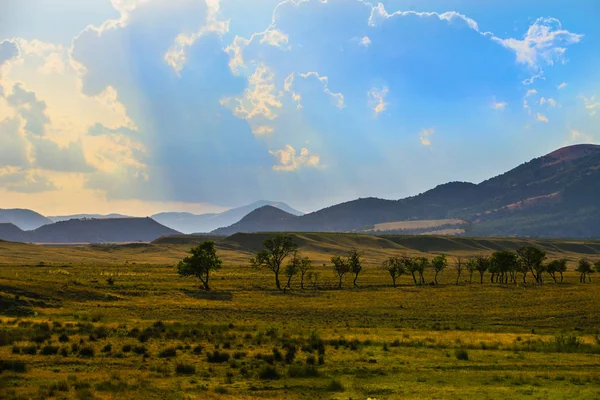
[{"x": 557, "y": 195}]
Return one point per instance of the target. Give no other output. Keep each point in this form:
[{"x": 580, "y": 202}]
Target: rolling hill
[
  {"x": 202, "y": 223},
  {"x": 556, "y": 195},
  {"x": 60, "y": 218},
  {"x": 24, "y": 219}
]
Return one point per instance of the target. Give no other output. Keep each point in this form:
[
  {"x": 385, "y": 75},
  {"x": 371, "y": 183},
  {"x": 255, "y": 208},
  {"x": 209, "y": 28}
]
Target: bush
[
  {"x": 49, "y": 350},
  {"x": 197, "y": 350},
  {"x": 168, "y": 353},
  {"x": 335, "y": 386},
  {"x": 126, "y": 348},
  {"x": 302, "y": 371},
  {"x": 107, "y": 348},
  {"x": 461, "y": 354},
  {"x": 12, "y": 365},
  {"x": 63, "y": 338},
  {"x": 311, "y": 360},
  {"x": 268, "y": 372},
  {"x": 185, "y": 369},
  {"x": 140, "y": 349},
  {"x": 16, "y": 349},
  {"x": 31, "y": 350},
  {"x": 217, "y": 357},
  {"x": 86, "y": 351}
]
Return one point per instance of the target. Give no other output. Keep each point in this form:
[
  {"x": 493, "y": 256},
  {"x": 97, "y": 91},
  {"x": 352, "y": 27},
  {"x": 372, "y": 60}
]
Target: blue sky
[{"x": 141, "y": 106}]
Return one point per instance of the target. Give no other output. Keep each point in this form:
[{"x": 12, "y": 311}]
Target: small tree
[
  {"x": 533, "y": 259},
  {"x": 203, "y": 260},
  {"x": 482, "y": 265},
  {"x": 471, "y": 265},
  {"x": 459, "y": 267},
  {"x": 394, "y": 267},
  {"x": 439, "y": 264},
  {"x": 502, "y": 263},
  {"x": 292, "y": 268},
  {"x": 275, "y": 251},
  {"x": 421, "y": 263},
  {"x": 555, "y": 266},
  {"x": 355, "y": 263},
  {"x": 313, "y": 279},
  {"x": 584, "y": 267},
  {"x": 305, "y": 265},
  {"x": 340, "y": 267},
  {"x": 411, "y": 266}
]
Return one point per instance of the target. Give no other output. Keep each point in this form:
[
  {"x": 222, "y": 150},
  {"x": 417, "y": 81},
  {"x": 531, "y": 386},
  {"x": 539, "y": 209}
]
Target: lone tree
[
  {"x": 395, "y": 267},
  {"x": 533, "y": 259},
  {"x": 459, "y": 267},
  {"x": 275, "y": 251},
  {"x": 555, "y": 266},
  {"x": 584, "y": 267},
  {"x": 439, "y": 264},
  {"x": 340, "y": 267},
  {"x": 203, "y": 259},
  {"x": 355, "y": 263}
]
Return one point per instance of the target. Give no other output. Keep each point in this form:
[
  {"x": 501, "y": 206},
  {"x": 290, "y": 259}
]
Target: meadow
[{"x": 117, "y": 322}]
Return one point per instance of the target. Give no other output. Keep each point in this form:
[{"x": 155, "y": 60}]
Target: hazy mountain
[
  {"x": 90, "y": 231},
  {"x": 275, "y": 218},
  {"x": 195, "y": 223},
  {"x": 557, "y": 195},
  {"x": 24, "y": 219},
  {"x": 59, "y": 218}
]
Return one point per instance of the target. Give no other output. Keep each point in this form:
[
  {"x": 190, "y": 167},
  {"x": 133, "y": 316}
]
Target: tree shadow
[{"x": 210, "y": 295}]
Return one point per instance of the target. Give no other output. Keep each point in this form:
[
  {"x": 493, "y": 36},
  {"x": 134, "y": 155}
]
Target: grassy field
[{"x": 67, "y": 332}]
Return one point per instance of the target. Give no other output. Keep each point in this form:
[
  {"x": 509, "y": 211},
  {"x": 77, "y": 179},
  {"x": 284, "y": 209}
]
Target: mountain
[
  {"x": 118, "y": 230},
  {"x": 556, "y": 195},
  {"x": 24, "y": 219},
  {"x": 270, "y": 216},
  {"x": 195, "y": 223},
  {"x": 59, "y": 218}
]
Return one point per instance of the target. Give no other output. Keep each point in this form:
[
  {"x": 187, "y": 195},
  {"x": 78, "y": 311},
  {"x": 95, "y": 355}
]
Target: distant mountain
[
  {"x": 557, "y": 195},
  {"x": 24, "y": 219},
  {"x": 60, "y": 218},
  {"x": 270, "y": 216},
  {"x": 90, "y": 231},
  {"x": 202, "y": 223}
]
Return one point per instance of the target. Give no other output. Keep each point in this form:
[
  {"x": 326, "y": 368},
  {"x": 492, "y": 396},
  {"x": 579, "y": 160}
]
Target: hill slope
[
  {"x": 556, "y": 195},
  {"x": 270, "y": 216},
  {"x": 59, "y": 218},
  {"x": 194, "y": 223},
  {"x": 24, "y": 219}
]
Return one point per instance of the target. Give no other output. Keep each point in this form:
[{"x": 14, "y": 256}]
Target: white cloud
[
  {"x": 544, "y": 43},
  {"x": 288, "y": 86},
  {"x": 275, "y": 38},
  {"x": 377, "y": 99},
  {"x": 551, "y": 102},
  {"x": 288, "y": 161},
  {"x": 263, "y": 130},
  {"x": 542, "y": 118},
  {"x": 530, "y": 80},
  {"x": 531, "y": 92},
  {"x": 176, "y": 55},
  {"x": 562, "y": 85},
  {"x": 365, "y": 41},
  {"x": 580, "y": 137},
  {"x": 8, "y": 50},
  {"x": 425, "y": 136},
  {"x": 499, "y": 105},
  {"x": 590, "y": 103}
]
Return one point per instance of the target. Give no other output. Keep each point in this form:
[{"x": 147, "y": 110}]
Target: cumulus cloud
[
  {"x": 13, "y": 151},
  {"x": 50, "y": 156},
  {"x": 544, "y": 43},
  {"x": 425, "y": 136},
  {"x": 289, "y": 161},
  {"x": 542, "y": 118},
  {"x": 30, "y": 108},
  {"x": 24, "y": 181},
  {"x": 377, "y": 99},
  {"x": 8, "y": 50}
]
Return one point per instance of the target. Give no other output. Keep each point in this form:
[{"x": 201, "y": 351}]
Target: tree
[
  {"x": 340, "y": 267},
  {"x": 203, "y": 260},
  {"x": 355, "y": 263},
  {"x": 411, "y": 266},
  {"x": 482, "y": 264},
  {"x": 275, "y": 251},
  {"x": 555, "y": 266},
  {"x": 313, "y": 279},
  {"x": 292, "y": 268},
  {"x": 533, "y": 259},
  {"x": 471, "y": 265},
  {"x": 395, "y": 267},
  {"x": 305, "y": 265},
  {"x": 439, "y": 264},
  {"x": 584, "y": 267},
  {"x": 459, "y": 267},
  {"x": 503, "y": 263},
  {"x": 596, "y": 264},
  {"x": 420, "y": 264}
]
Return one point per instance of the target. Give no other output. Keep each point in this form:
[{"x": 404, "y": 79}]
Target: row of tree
[{"x": 503, "y": 266}]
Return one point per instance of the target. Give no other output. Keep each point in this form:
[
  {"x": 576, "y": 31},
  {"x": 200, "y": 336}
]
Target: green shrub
[
  {"x": 217, "y": 357},
  {"x": 12, "y": 365},
  {"x": 268, "y": 372},
  {"x": 335, "y": 386},
  {"x": 86, "y": 351},
  {"x": 49, "y": 350},
  {"x": 168, "y": 353},
  {"x": 185, "y": 369},
  {"x": 461, "y": 354}
]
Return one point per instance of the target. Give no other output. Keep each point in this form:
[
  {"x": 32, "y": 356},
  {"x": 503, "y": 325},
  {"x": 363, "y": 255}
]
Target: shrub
[
  {"x": 335, "y": 386},
  {"x": 217, "y": 357},
  {"x": 197, "y": 349},
  {"x": 239, "y": 355},
  {"x": 302, "y": 371},
  {"x": 461, "y": 354},
  {"x": 31, "y": 350},
  {"x": 63, "y": 338},
  {"x": 185, "y": 369},
  {"x": 64, "y": 351},
  {"x": 86, "y": 351},
  {"x": 12, "y": 365},
  {"x": 168, "y": 353},
  {"x": 311, "y": 360},
  {"x": 140, "y": 349},
  {"x": 16, "y": 349},
  {"x": 49, "y": 350},
  {"x": 107, "y": 348},
  {"x": 268, "y": 372},
  {"x": 126, "y": 348}
]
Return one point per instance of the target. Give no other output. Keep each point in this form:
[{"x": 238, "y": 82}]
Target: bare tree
[
  {"x": 313, "y": 279},
  {"x": 292, "y": 268},
  {"x": 459, "y": 267}
]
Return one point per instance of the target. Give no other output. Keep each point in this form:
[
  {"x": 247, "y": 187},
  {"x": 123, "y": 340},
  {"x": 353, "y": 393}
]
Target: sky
[{"x": 144, "y": 106}]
